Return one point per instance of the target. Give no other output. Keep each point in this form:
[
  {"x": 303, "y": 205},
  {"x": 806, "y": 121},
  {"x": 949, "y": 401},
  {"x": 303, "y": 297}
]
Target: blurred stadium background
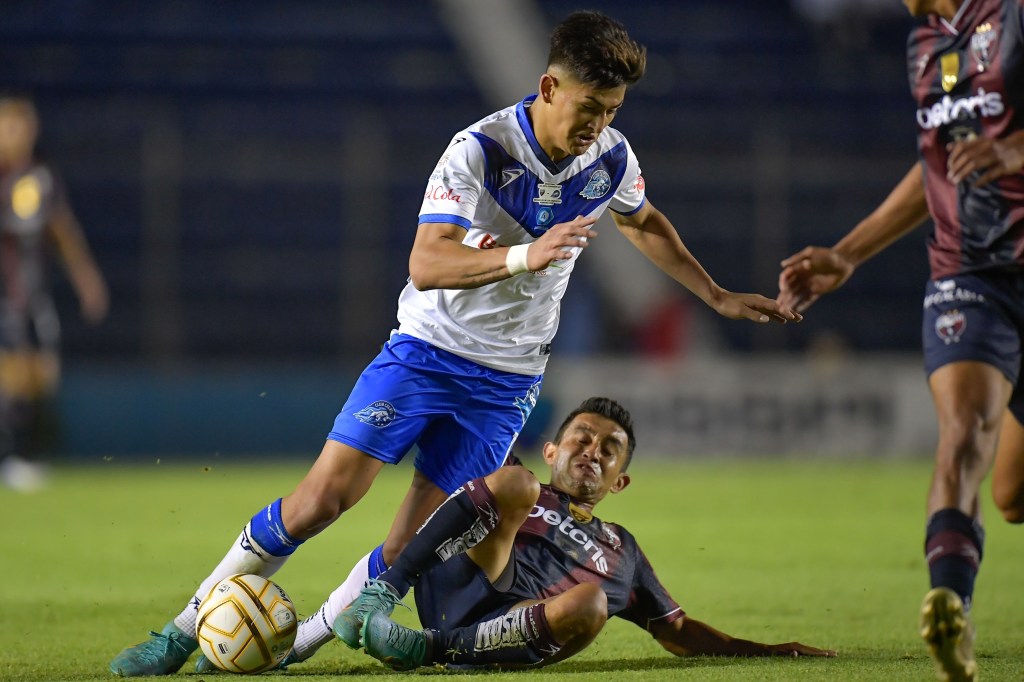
[{"x": 249, "y": 174}]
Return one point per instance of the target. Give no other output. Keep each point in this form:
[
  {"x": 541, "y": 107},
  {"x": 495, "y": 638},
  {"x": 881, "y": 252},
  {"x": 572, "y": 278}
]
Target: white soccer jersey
[{"x": 496, "y": 181}]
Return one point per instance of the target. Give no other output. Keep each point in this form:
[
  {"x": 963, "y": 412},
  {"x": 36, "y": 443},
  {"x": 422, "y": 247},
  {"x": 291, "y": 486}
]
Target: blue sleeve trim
[
  {"x": 445, "y": 218},
  {"x": 633, "y": 211}
]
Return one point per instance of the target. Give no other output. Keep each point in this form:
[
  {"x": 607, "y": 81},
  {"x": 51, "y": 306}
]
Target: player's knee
[
  {"x": 1010, "y": 503},
  {"x": 514, "y": 488}
]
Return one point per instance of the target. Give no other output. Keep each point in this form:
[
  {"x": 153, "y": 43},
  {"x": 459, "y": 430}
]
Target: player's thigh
[
  {"x": 972, "y": 353},
  {"x": 1008, "y": 472},
  {"x": 26, "y": 373}
]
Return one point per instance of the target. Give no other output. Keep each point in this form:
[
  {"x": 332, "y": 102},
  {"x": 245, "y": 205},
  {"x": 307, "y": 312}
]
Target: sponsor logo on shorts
[
  {"x": 948, "y": 292},
  {"x": 379, "y": 414},
  {"x": 528, "y": 401},
  {"x": 950, "y": 326}
]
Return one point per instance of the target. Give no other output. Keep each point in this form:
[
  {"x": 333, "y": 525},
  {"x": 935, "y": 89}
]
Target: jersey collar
[{"x": 527, "y": 127}]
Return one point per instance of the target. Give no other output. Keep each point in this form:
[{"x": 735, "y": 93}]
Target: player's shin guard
[
  {"x": 520, "y": 637},
  {"x": 261, "y": 549},
  {"x": 462, "y": 521},
  {"x": 953, "y": 549}
]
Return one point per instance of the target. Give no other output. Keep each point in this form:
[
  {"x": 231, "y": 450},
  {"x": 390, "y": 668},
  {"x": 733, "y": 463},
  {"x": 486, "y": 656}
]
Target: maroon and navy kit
[
  {"x": 967, "y": 77},
  {"x": 30, "y": 197},
  {"x": 557, "y": 548}
]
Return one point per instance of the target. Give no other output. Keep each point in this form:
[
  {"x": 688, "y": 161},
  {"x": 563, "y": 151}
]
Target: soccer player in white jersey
[{"x": 507, "y": 211}]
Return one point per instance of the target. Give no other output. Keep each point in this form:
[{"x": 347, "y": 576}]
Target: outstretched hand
[
  {"x": 809, "y": 274},
  {"x": 754, "y": 307},
  {"x": 795, "y": 649}
]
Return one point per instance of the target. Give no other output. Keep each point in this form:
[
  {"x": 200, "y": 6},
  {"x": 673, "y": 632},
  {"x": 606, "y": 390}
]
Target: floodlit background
[{"x": 249, "y": 175}]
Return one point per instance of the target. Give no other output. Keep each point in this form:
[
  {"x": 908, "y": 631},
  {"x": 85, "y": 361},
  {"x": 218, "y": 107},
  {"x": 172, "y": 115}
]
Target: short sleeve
[
  {"x": 455, "y": 185},
  {"x": 649, "y": 601}
]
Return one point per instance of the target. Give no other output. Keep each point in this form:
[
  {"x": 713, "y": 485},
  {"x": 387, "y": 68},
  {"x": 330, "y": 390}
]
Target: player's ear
[
  {"x": 547, "y": 86},
  {"x": 550, "y": 451},
  {"x": 620, "y": 483}
]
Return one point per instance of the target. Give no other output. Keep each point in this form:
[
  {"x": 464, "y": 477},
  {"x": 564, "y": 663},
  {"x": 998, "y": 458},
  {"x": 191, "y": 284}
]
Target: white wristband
[{"x": 515, "y": 259}]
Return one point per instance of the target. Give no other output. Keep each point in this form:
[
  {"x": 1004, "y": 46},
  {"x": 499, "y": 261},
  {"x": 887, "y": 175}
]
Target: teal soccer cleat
[
  {"x": 375, "y": 597},
  {"x": 394, "y": 645},
  {"x": 161, "y": 654}
]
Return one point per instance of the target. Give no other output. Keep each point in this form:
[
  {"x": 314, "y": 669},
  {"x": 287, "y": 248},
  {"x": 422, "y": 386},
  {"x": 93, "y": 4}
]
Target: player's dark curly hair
[
  {"x": 609, "y": 409},
  {"x": 597, "y": 51}
]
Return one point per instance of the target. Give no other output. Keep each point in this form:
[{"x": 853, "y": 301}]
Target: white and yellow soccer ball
[{"x": 246, "y": 624}]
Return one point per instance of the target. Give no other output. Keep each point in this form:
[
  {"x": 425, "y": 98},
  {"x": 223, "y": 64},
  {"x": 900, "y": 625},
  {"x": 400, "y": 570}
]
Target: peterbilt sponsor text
[
  {"x": 568, "y": 528},
  {"x": 948, "y": 110}
]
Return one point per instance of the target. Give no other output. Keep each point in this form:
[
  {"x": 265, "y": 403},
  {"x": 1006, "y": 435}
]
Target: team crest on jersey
[
  {"x": 982, "y": 43},
  {"x": 548, "y": 194},
  {"x": 950, "y": 66},
  {"x": 598, "y": 185},
  {"x": 27, "y": 197},
  {"x": 379, "y": 414},
  {"x": 950, "y": 326}
]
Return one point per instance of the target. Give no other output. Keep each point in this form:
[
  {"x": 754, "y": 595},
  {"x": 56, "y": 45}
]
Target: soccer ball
[{"x": 246, "y": 624}]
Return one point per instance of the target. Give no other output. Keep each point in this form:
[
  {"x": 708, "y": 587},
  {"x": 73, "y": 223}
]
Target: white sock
[
  {"x": 317, "y": 630},
  {"x": 245, "y": 556}
]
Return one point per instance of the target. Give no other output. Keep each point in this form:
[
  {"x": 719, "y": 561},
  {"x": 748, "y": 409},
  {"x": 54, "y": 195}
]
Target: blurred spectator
[{"x": 34, "y": 217}]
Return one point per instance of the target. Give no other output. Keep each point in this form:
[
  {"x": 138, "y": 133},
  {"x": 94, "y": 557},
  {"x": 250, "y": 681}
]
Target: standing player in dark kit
[
  {"x": 966, "y": 68},
  {"x": 35, "y": 218},
  {"x": 509, "y": 572}
]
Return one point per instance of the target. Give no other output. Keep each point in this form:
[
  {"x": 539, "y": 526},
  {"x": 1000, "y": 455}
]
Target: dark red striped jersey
[
  {"x": 561, "y": 546},
  {"x": 967, "y": 77}
]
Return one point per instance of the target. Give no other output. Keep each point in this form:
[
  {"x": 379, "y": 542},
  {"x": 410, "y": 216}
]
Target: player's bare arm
[
  {"x": 85, "y": 277},
  {"x": 689, "y": 637},
  {"x": 654, "y": 235},
  {"x": 994, "y": 158},
  {"x": 817, "y": 270},
  {"x": 439, "y": 259}
]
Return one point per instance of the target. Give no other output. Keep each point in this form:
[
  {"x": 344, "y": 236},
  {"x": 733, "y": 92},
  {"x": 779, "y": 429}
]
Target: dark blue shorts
[
  {"x": 457, "y": 593},
  {"x": 977, "y": 317},
  {"x": 462, "y": 416}
]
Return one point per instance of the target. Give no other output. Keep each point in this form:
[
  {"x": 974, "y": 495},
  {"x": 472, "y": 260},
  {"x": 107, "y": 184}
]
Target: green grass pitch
[{"x": 825, "y": 552}]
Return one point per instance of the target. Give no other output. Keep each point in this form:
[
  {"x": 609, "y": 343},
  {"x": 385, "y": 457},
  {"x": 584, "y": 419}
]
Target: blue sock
[
  {"x": 375, "y": 564},
  {"x": 268, "y": 530}
]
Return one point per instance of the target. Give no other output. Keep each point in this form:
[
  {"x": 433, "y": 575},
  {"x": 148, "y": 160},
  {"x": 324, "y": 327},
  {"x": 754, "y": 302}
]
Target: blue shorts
[
  {"x": 977, "y": 317},
  {"x": 463, "y": 417},
  {"x": 457, "y": 593}
]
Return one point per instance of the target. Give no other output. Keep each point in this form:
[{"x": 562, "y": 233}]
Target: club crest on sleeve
[
  {"x": 379, "y": 414},
  {"x": 950, "y": 326}
]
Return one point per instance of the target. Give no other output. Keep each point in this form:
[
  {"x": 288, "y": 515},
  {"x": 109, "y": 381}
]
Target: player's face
[
  {"x": 587, "y": 463},
  {"x": 578, "y": 113}
]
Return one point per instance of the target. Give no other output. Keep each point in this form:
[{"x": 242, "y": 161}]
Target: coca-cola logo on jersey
[
  {"x": 441, "y": 193},
  {"x": 949, "y": 110}
]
